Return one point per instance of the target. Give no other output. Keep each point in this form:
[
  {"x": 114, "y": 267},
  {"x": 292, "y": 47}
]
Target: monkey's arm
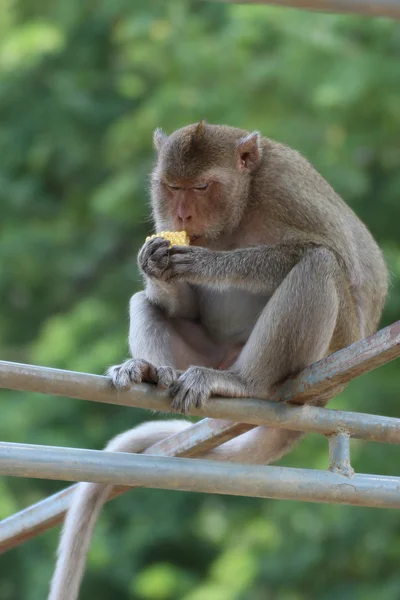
[
  {"x": 175, "y": 299},
  {"x": 258, "y": 269}
]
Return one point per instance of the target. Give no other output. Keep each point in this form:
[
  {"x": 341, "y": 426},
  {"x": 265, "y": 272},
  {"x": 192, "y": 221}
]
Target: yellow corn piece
[{"x": 176, "y": 238}]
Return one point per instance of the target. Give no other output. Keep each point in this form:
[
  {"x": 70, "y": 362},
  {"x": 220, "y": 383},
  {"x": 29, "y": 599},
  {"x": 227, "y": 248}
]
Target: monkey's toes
[
  {"x": 132, "y": 371},
  {"x": 166, "y": 376},
  {"x": 190, "y": 391}
]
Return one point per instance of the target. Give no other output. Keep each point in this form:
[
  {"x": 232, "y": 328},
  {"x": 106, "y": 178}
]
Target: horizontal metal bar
[
  {"x": 320, "y": 379},
  {"x": 250, "y": 410},
  {"x": 212, "y": 477},
  {"x": 315, "y": 381},
  {"x": 194, "y": 441},
  {"x": 368, "y": 8}
]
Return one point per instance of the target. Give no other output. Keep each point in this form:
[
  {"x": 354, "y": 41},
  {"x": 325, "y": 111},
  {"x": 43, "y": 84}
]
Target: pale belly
[
  {"x": 227, "y": 319},
  {"x": 229, "y": 315}
]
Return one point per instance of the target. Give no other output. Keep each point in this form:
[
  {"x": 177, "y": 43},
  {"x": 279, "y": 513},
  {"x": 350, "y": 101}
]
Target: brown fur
[{"x": 280, "y": 273}]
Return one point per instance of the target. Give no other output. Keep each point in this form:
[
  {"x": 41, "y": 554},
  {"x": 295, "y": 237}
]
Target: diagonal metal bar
[
  {"x": 368, "y": 8},
  {"x": 341, "y": 367}
]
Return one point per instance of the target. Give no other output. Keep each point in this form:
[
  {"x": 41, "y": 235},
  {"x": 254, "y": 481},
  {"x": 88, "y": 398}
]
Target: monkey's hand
[
  {"x": 190, "y": 263},
  {"x": 158, "y": 260},
  {"x": 154, "y": 257},
  {"x": 163, "y": 287}
]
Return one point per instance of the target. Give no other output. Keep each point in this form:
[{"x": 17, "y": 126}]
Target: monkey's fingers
[
  {"x": 160, "y": 257},
  {"x": 153, "y": 258},
  {"x": 166, "y": 376},
  {"x": 192, "y": 389},
  {"x": 151, "y": 246},
  {"x": 132, "y": 371},
  {"x": 181, "y": 259},
  {"x": 186, "y": 253}
]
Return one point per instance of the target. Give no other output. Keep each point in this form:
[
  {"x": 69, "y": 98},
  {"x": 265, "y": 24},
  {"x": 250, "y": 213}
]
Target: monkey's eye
[
  {"x": 173, "y": 187},
  {"x": 199, "y": 188}
]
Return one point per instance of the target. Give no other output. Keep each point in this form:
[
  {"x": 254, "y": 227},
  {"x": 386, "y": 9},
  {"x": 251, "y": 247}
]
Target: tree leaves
[{"x": 82, "y": 87}]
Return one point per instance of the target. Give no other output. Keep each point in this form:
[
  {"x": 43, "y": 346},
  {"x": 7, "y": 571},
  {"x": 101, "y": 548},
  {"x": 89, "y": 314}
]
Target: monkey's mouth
[{"x": 195, "y": 240}]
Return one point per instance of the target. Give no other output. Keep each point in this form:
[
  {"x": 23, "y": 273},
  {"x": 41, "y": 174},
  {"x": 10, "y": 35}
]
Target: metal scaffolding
[
  {"x": 167, "y": 465},
  {"x": 367, "y": 8}
]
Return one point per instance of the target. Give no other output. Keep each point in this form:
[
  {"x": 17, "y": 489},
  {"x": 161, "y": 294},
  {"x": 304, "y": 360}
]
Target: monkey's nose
[
  {"x": 184, "y": 220},
  {"x": 184, "y": 212}
]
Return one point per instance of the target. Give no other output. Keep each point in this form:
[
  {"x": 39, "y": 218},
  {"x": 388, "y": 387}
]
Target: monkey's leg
[
  {"x": 294, "y": 330},
  {"x": 298, "y": 324},
  {"x": 162, "y": 346}
]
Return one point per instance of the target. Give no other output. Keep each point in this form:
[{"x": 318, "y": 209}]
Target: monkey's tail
[
  {"x": 258, "y": 446},
  {"x": 86, "y": 505}
]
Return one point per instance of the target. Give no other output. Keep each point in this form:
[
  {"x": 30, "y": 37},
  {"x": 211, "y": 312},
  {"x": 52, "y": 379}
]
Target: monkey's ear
[
  {"x": 159, "y": 138},
  {"x": 200, "y": 130},
  {"x": 249, "y": 152}
]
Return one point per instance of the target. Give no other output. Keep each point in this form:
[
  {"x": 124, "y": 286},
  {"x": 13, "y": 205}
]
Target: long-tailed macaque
[{"x": 279, "y": 273}]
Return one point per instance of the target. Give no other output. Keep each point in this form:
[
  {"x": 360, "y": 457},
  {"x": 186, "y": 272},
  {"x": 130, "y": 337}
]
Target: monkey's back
[{"x": 303, "y": 203}]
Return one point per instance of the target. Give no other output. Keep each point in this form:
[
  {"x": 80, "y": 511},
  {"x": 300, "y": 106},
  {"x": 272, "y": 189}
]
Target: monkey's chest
[{"x": 230, "y": 315}]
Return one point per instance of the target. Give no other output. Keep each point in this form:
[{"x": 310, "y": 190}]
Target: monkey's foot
[
  {"x": 195, "y": 386},
  {"x": 137, "y": 370}
]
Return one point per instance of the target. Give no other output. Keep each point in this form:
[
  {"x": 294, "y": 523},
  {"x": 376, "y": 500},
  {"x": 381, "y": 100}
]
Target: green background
[{"x": 82, "y": 86}]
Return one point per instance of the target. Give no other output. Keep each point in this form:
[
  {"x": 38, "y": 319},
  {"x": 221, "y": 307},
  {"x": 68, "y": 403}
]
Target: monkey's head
[{"x": 202, "y": 179}]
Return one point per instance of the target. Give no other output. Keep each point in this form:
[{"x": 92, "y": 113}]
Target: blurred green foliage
[{"x": 82, "y": 86}]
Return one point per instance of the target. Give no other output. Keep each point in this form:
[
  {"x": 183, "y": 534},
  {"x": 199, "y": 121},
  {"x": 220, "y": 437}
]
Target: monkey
[{"x": 279, "y": 273}]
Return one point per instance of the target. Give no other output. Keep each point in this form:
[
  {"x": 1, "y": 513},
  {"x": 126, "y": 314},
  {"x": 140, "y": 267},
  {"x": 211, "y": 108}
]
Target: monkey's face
[
  {"x": 201, "y": 181},
  {"x": 204, "y": 206}
]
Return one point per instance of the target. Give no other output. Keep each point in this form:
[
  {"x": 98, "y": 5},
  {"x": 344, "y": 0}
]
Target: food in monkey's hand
[{"x": 175, "y": 238}]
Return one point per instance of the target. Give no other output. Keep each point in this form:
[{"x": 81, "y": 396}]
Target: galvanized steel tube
[
  {"x": 247, "y": 410},
  {"x": 339, "y": 454},
  {"x": 368, "y": 8},
  {"x": 24, "y": 460}
]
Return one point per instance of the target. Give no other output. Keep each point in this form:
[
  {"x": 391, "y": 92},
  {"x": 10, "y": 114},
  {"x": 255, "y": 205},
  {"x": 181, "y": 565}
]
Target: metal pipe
[
  {"x": 317, "y": 380},
  {"x": 320, "y": 379},
  {"x": 197, "y": 439},
  {"x": 249, "y": 410},
  {"x": 339, "y": 454},
  {"x": 368, "y": 8},
  {"x": 47, "y": 513},
  {"x": 381, "y": 347},
  {"x": 212, "y": 477},
  {"x": 324, "y": 376},
  {"x": 30, "y": 522}
]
